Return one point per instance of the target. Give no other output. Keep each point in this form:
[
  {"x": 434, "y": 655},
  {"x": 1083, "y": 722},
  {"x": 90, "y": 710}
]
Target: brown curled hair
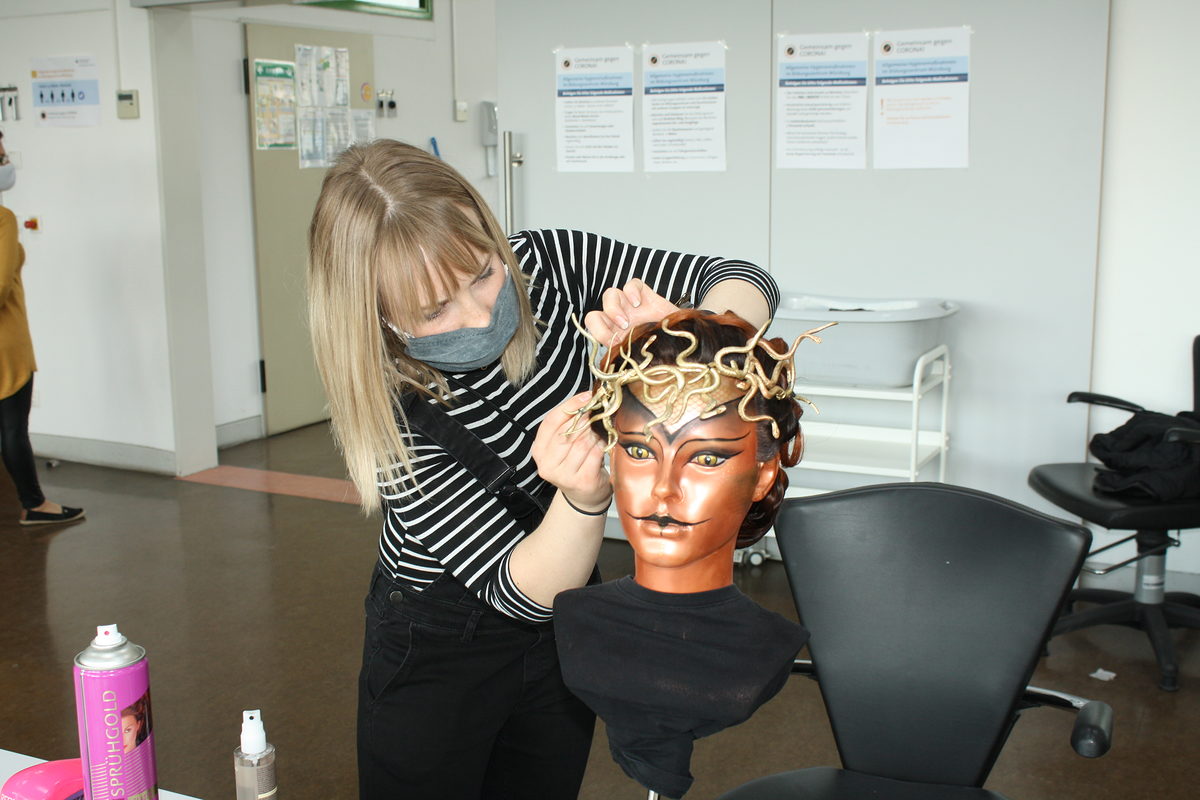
[{"x": 664, "y": 343}]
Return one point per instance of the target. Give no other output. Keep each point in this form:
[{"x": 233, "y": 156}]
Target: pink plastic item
[{"x": 51, "y": 780}]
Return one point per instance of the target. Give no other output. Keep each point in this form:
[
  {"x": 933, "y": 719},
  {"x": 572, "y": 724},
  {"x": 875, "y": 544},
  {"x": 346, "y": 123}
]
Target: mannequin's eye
[
  {"x": 638, "y": 452},
  {"x": 709, "y": 459}
]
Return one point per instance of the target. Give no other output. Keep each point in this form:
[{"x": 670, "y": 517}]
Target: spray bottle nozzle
[
  {"x": 254, "y": 735},
  {"x": 108, "y": 636}
]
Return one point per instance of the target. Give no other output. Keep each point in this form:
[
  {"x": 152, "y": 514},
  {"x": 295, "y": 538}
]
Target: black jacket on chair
[{"x": 1141, "y": 463}]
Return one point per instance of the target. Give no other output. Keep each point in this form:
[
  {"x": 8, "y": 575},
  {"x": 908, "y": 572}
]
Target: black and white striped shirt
[{"x": 453, "y": 523}]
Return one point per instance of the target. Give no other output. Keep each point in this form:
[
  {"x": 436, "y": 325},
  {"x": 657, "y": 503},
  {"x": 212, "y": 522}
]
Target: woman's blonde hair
[{"x": 393, "y": 224}]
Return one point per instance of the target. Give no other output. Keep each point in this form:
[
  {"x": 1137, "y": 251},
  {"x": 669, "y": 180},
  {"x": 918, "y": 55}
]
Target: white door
[{"x": 284, "y": 197}]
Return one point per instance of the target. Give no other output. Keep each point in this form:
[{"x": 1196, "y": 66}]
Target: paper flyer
[
  {"x": 683, "y": 107},
  {"x": 341, "y": 77},
  {"x": 274, "y": 105},
  {"x": 66, "y": 91},
  {"x": 339, "y": 132},
  {"x": 326, "y": 124},
  {"x": 311, "y": 134},
  {"x": 306, "y": 75},
  {"x": 922, "y": 98},
  {"x": 325, "y": 91},
  {"x": 821, "y": 101},
  {"x": 363, "y": 120},
  {"x": 593, "y": 109}
]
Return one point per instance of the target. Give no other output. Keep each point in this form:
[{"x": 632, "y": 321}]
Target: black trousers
[
  {"x": 15, "y": 447},
  {"x": 460, "y": 702}
]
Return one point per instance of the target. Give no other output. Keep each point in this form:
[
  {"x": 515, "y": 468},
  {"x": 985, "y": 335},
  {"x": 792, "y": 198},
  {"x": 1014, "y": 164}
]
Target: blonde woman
[{"x": 452, "y": 368}]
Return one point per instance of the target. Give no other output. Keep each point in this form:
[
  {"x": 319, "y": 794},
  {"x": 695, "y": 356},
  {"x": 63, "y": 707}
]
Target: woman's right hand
[
  {"x": 572, "y": 460},
  {"x": 625, "y": 308}
]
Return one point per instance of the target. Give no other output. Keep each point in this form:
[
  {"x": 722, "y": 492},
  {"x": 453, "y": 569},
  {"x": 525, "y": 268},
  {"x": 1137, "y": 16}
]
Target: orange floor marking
[{"x": 265, "y": 480}]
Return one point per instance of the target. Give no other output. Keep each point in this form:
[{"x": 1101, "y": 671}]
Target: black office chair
[
  {"x": 928, "y": 606},
  {"x": 1149, "y": 607}
]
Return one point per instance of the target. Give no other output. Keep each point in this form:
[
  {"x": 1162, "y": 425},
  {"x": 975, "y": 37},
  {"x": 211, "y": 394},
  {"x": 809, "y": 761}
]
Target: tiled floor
[{"x": 251, "y": 599}]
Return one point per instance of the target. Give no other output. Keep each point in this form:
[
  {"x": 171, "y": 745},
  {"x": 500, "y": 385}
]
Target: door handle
[{"x": 512, "y": 160}]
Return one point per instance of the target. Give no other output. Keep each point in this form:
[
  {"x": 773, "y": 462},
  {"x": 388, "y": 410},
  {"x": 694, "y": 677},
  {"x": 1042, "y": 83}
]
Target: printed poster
[
  {"x": 325, "y": 121},
  {"x": 66, "y": 91},
  {"x": 821, "y": 102},
  {"x": 593, "y": 109},
  {"x": 363, "y": 120},
  {"x": 922, "y": 98},
  {"x": 339, "y": 132},
  {"x": 306, "y": 75},
  {"x": 274, "y": 105},
  {"x": 311, "y": 134},
  {"x": 683, "y": 107}
]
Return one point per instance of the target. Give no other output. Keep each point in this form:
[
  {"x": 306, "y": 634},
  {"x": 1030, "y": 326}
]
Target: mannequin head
[{"x": 700, "y": 420}]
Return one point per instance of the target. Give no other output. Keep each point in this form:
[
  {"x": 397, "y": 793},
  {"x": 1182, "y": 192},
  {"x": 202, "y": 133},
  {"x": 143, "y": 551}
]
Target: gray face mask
[
  {"x": 8, "y": 176},
  {"x": 471, "y": 348}
]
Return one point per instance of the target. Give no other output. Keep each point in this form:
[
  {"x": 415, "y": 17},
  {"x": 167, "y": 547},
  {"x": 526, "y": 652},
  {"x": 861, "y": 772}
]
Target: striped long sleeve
[{"x": 451, "y": 522}]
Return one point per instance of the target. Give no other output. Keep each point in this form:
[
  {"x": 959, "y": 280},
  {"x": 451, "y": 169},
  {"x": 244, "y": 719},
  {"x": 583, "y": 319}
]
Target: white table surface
[{"x": 12, "y": 763}]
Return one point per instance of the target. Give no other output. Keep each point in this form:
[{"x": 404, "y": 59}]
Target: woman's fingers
[
  {"x": 569, "y": 454},
  {"x": 600, "y": 327},
  {"x": 633, "y": 292},
  {"x": 560, "y": 433},
  {"x": 617, "y": 307},
  {"x": 623, "y": 308}
]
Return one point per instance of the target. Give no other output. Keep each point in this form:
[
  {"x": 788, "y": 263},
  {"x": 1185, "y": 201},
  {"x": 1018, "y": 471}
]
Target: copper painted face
[{"x": 683, "y": 490}]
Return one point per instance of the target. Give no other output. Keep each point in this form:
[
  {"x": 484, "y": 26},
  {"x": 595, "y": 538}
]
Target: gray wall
[{"x": 1012, "y": 238}]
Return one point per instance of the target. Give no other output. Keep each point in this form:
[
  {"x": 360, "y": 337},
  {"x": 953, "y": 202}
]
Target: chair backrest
[
  {"x": 928, "y": 606},
  {"x": 1196, "y": 375}
]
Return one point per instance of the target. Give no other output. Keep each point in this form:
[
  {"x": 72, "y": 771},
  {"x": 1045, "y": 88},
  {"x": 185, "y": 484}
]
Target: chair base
[
  {"x": 1178, "y": 609},
  {"x": 829, "y": 783}
]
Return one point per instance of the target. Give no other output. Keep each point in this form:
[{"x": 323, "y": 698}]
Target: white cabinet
[
  {"x": 877, "y": 453},
  {"x": 885, "y": 453}
]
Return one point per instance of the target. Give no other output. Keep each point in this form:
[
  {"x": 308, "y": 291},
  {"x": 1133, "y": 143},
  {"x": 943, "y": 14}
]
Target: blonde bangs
[
  {"x": 407, "y": 270},
  {"x": 386, "y": 211}
]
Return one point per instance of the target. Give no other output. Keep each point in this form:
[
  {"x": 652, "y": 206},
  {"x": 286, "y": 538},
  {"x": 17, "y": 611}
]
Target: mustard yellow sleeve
[{"x": 11, "y": 254}]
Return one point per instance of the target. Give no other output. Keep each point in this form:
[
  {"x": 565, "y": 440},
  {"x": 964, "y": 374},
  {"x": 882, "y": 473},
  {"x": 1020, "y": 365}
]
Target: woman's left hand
[
  {"x": 625, "y": 308},
  {"x": 572, "y": 460}
]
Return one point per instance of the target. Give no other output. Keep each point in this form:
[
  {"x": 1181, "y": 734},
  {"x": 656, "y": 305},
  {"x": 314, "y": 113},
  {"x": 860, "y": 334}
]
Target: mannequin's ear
[{"x": 767, "y": 470}]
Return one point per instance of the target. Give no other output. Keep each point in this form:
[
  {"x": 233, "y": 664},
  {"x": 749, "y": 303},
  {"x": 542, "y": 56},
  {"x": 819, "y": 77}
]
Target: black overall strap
[{"x": 484, "y": 464}]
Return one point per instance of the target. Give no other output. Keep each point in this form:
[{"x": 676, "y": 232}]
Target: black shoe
[{"x": 67, "y": 514}]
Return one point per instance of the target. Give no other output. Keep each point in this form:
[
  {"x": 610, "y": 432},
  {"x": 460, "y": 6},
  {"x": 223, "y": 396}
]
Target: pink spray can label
[{"x": 116, "y": 736}]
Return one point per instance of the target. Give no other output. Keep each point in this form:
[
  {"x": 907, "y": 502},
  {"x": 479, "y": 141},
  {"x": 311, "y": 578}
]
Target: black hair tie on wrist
[{"x": 599, "y": 513}]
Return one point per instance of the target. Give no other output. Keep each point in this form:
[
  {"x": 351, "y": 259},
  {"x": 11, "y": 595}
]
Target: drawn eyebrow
[{"x": 637, "y": 407}]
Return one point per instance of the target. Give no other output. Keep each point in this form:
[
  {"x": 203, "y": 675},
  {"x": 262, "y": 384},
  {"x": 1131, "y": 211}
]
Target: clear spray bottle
[{"x": 254, "y": 761}]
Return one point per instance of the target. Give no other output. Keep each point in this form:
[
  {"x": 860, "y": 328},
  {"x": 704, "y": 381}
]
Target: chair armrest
[
  {"x": 1103, "y": 400},
  {"x": 1190, "y": 435},
  {"x": 1091, "y": 736}
]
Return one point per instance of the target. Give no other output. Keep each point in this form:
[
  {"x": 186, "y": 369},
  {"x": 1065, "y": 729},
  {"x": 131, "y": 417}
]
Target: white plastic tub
[{"x": 876, "y": 342}]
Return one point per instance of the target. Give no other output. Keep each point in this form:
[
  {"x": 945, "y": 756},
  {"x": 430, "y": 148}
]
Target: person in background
[
  {"x": 452, "y": 367},
  {"x": 16, "y": 372}
]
